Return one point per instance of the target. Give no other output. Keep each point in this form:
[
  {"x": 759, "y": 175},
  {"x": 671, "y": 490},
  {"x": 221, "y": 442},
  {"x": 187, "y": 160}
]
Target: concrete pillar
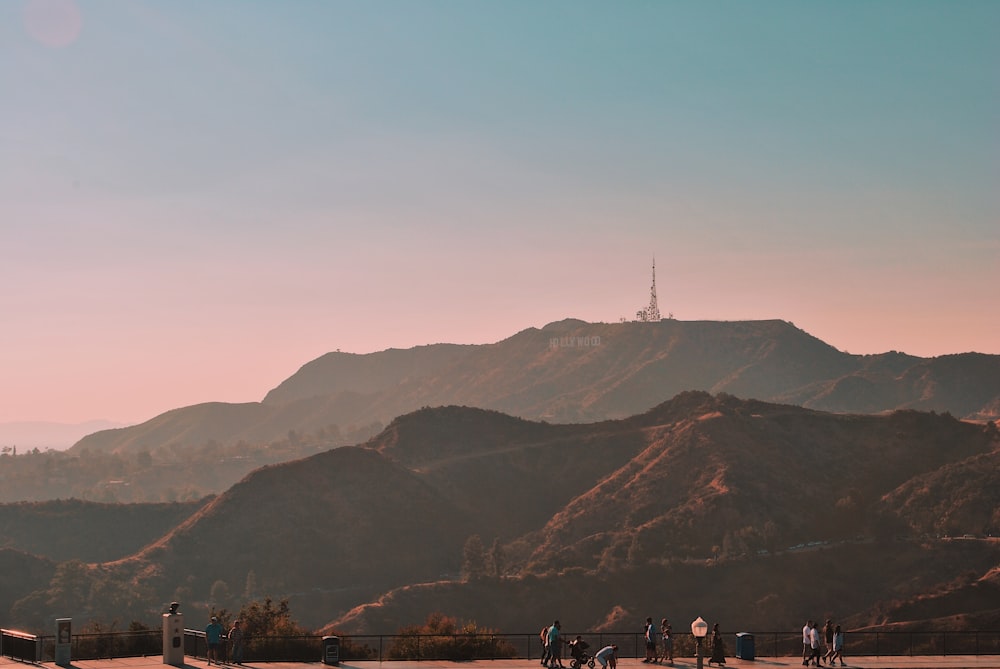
[{"x": 173, "y": 638}]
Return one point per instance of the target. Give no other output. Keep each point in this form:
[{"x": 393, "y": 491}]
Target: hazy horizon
[{"x": 198, "y": 198}]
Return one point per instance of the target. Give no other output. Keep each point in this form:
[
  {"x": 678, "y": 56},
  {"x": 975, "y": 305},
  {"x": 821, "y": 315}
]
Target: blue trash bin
[{"x": 744, "y": 646}]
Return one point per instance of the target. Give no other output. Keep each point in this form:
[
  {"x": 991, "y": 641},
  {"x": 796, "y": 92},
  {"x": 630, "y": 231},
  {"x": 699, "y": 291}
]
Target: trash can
[
  {"x": 744, "y": 646},
  {"x": 331, "y": 650}
]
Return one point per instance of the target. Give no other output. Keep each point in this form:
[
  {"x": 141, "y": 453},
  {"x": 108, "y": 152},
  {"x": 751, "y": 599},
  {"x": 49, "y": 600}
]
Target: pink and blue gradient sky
[{"x": 196, "y": 198}]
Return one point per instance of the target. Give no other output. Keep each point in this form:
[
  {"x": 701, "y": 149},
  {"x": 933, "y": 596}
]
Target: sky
[{"x": 197, "y": 198}]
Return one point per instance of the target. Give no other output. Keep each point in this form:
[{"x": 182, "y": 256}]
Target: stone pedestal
[{"x": 173, "y": 639}]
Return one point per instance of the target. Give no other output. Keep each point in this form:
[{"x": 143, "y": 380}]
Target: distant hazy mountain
[
  {"x": 27, "y": 435},
  {"x": 772, "y": 509},
  {"x": 573, "y": 371}
]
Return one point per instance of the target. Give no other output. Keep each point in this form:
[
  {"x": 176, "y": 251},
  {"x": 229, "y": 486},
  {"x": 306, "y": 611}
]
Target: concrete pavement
[{"x": 869, "y": 662}]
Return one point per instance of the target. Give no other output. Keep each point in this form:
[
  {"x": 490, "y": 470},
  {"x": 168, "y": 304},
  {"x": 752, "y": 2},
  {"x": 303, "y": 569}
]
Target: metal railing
[
  {"x": 632, "y": 644},
  {"x": 20, "y": 646},
  {"x": 103, "y": 645},
  {"x": 309, "y": 648}
]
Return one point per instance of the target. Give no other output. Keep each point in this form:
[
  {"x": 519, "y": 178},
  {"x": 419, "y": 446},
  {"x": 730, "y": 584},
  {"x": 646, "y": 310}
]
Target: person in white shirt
[
  {"x": 806, "y": 644},
  {"x": 608, "y": 657},
  {"x": 815, "y": 644},
  {"x": 838, "y": 647}
]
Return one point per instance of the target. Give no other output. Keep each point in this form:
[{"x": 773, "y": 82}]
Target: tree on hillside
[
  {"x": 473, "y": 559},
  {"x": 112, "y": 598},
  {"x": 265, "y": 618},
  {"x": 445, "y": 637},
  {"x": 69, "y": 589},
  {"x": 219, "y": 594},
  {"x": 79, "y": 591},
  {"x": 770, "y": 537},
  {"x": 250, "y": 589},
  {"x": 496, "y": 559}
]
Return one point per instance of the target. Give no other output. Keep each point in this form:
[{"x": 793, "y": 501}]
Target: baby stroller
[{"x": 578, "y": 651}]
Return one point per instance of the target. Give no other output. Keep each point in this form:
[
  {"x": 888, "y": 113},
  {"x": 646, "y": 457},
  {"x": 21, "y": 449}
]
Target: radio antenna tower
[{"x": 650, "y": 314}]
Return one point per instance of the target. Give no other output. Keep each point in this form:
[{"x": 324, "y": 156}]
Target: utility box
[
  {"x": 744, "y": 646},
  {"x": 173, "y": 639},
  {"x": 331, "y": 650}
]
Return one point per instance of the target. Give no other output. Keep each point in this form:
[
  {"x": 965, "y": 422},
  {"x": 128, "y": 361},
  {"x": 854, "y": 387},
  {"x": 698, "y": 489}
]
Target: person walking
[
  {"x": 555, "y": 649},
  {"x": 838, "y": 647},
  {"x": 814, "y": 645},
  {"x": 718, "y": 647},
  {"x": 213, "y": 637},
  {"x": 828, "y": 638},
  {"x": 806, "y": 643},
  {"x": 546, "y": 654}
]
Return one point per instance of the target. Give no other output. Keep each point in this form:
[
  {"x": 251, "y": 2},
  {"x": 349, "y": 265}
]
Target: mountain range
[
  {"x": 778, "y": 511},
  {"x": 43, "y": 435},
  {"x": 765, "y": 478},
  {"x": 572, "y": 371}
]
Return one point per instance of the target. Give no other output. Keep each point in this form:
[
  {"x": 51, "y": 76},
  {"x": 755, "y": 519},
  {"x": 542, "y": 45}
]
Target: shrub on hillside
[{"x": 443, "y": 638}]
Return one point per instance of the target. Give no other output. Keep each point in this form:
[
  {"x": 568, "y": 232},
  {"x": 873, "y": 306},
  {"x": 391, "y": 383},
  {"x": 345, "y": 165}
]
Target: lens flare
[{"x": 54, "y": 23}]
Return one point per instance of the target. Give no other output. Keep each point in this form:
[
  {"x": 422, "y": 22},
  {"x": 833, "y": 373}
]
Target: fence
[
  {"x": 891, "y": 643},
  {"x": 101, "y": 645},
  {"x": 20, "y": 646},
  {"x": 309, "y": 648}
]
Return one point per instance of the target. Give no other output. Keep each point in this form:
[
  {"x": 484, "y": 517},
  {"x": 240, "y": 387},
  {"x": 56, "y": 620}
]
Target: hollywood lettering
[{"x": 574, "y": 342}]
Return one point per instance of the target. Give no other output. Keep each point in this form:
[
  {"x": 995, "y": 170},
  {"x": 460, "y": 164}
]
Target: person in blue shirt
[
  {"x": 213, "y": 636},
  {"x": 555, "y": 648}
]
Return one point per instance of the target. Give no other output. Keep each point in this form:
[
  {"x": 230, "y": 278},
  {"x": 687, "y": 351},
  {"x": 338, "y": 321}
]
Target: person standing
[
  {"x": 667, "y": 631},
  {"x": 213, "y": 637},
  {"x": 650, "y": 636},
  {"x": 718, "y": 647},
  {"x": 236, "y": 642}
]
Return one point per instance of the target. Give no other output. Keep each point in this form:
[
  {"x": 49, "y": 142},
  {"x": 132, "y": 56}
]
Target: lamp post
[{"x": 699, "y": 628}]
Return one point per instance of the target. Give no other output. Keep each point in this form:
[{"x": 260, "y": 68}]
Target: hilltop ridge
[{"x": 573, "y": 371}]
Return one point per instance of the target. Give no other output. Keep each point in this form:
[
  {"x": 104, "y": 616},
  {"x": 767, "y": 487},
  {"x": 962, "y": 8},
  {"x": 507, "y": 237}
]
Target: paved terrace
[{"x": 869, "y": 662}]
